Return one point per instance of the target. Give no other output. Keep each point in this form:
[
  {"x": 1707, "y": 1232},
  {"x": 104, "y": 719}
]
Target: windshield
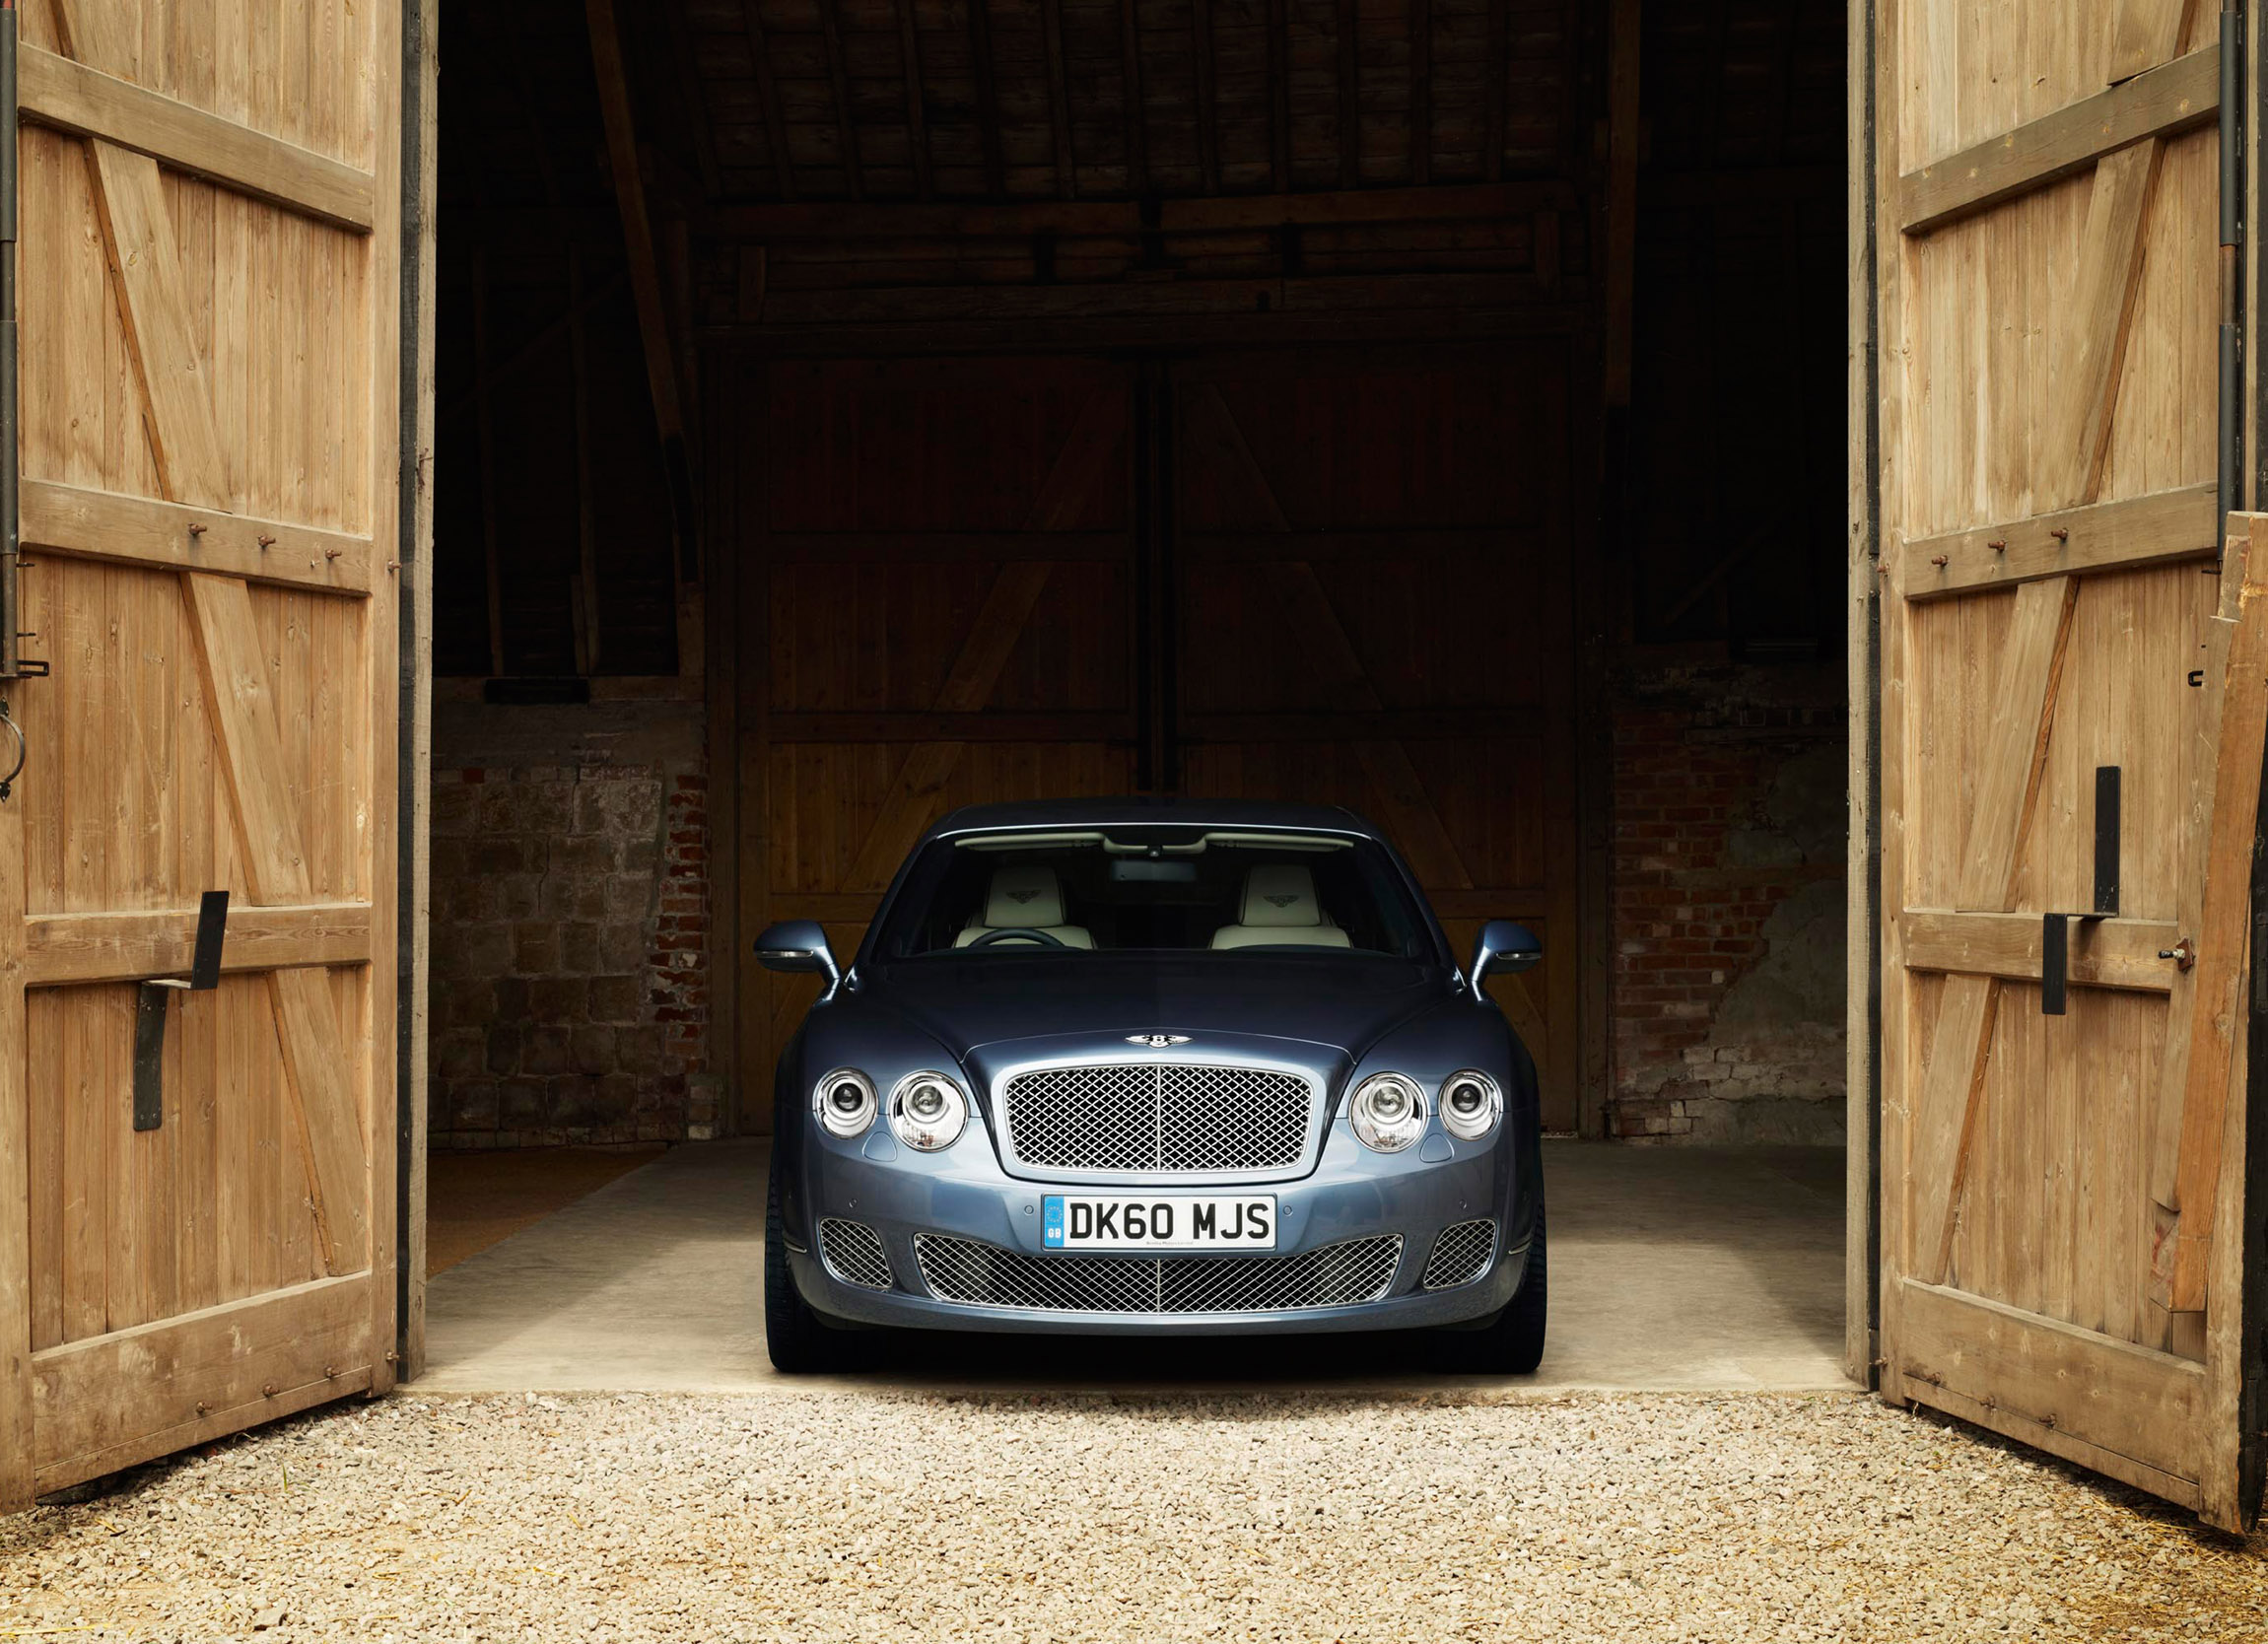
[{"x": 1150, "y": 889}]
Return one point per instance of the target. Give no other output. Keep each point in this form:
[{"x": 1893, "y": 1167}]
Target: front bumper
[{"x": 964, "y": 1193}]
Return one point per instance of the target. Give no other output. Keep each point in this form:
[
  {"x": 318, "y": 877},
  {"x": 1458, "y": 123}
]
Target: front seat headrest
[
  {"x": 1281, "y": 894},
  {"x": 1025, "y": 898}
]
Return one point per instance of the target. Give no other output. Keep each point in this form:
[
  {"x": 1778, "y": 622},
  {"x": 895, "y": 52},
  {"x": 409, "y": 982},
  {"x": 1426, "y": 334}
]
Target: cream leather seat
[
  {"x": 1279, "y": 910},
  {"x": 1027, "y": 897}
]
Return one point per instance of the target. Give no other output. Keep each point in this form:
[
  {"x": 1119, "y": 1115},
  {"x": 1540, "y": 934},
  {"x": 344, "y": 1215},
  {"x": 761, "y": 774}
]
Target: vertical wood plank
[
  {"x": 16, "y": 1251},
  {"x": 371, "y": 1086}
]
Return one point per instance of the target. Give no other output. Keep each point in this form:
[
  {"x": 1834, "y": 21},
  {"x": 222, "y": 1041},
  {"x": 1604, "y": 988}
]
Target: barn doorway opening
[{"x": 850, "y": 412}]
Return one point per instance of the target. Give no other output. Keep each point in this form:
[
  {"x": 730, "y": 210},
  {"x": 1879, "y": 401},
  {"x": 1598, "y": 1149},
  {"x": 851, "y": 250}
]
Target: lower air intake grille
[
  {"x": 982, "y": 1275},
  {"x": 1461, "y": 1254},
  {"x": 853, "y": 1254}
]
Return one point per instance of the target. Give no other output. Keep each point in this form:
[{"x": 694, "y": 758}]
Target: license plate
[{"x": 1128, "y": 1221}]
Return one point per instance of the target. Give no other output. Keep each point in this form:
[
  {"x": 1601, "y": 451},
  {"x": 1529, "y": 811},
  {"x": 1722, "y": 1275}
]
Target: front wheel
[
  {"x": 1512, "y": 1342},
  {"x": 799, "y": 1342}
]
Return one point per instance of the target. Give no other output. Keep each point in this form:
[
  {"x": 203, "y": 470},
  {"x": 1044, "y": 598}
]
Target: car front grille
[
  {"x": 854, "y": 1253},
  {"x": 1344, "y": 1274},
  {"x": 1460, "y": 1255},
  {"x": 1157, "y": 1117}
]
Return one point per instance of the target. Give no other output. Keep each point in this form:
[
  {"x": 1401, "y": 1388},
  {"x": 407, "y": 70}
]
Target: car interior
[{"x": 1214, "y": 893}]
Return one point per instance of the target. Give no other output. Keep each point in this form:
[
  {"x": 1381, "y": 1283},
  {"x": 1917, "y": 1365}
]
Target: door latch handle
[{"x": 22, "y": 751}]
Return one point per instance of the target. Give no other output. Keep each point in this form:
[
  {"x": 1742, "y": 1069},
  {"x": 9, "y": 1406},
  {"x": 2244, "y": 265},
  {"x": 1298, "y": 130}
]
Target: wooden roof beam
[
  {"x": 693, "y": 107},
  {"x": 1279, "y": 94},
  {"x": 838, "y": 79},
  {"x": 917, "y": 126},
  {"x": 1060, "y": 102},
  {"x": 814, "y": 219},
  {"x": 1350, "y": 98},
  {"x": 1130, "y": 78},
  {"x": 1499, "y": 69},
  {"x": 1421, "y": 91},
  {"x": 1621, "y": 227},
  {"x": 768, "y": 94},
  {"x": 644, "y": 263},
  {"x": 1207, "y": 111},
  {"x": 987, "y": 97}
]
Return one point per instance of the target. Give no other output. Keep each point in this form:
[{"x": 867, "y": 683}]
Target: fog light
[
  {"x": 845, "y": 1102},
  {"x": 1389, "y": 1113},
  {"x": 1470, "y": 1104},
  {"x": 928, "y": 1111}
]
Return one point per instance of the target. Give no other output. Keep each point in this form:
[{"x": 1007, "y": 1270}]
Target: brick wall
[
  {"x": 1730, "y": 816},
  {"x": 570, "y": 927}
]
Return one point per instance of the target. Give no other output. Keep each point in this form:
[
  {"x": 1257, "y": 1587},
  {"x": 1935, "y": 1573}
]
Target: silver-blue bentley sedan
[{"x": 1155, "y": 1066}]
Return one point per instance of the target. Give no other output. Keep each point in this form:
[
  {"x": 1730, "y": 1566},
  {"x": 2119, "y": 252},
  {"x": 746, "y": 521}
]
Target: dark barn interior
[{"x": 851, "y": 408}]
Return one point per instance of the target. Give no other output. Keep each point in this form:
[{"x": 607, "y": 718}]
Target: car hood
[{"x": 1342, "y": 1002}]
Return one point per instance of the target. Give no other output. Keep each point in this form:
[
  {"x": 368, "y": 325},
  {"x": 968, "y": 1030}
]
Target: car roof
[{"x": 1152, "y": 812}]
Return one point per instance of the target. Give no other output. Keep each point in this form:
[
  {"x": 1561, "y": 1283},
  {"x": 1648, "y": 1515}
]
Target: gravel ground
[{"x": 859, "y": 1514}]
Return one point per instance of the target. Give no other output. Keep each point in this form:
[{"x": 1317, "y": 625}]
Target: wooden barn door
[
  {"x": 939, "y": 596},
  {"x": 208, "y": 388},
  {"x": 1369, "y": 600},
  {"x": 2072, "y": 697}
]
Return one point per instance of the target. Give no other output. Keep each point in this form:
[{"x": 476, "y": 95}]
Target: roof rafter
[
  {"x": 987, "y": 97},
  {"x": 1208, "y": 110},
  {"x": 1060, "y": 101},
  {"x": 1138, "y": 127},
  {"x": 1350, "y": 98},
  {"x": 768, "y": 93},
  {"x": 917, "y": 127},
  {"x": 845, "y": 128}
]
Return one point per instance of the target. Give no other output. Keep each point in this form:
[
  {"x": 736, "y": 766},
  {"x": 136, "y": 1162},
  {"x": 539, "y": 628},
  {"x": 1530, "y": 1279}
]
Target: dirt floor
[
  {"x": 478, "y": 1200},
  {"x": 875, "y": 1514}
]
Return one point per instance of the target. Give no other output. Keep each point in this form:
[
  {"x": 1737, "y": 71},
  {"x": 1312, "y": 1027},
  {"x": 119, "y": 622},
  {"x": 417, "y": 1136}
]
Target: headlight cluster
[
  {"x": 1388, "y": 1110},
  {"x": 927, "y": 1110}
]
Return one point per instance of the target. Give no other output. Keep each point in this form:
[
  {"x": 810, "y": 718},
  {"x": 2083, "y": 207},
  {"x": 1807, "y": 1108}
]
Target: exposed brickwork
[
  {"x": 1728, "y": 905},
  {"x": 569, "y": 932}
]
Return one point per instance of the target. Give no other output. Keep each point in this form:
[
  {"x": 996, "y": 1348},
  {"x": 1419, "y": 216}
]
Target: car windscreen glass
[{"x": 1153, "y": 889}]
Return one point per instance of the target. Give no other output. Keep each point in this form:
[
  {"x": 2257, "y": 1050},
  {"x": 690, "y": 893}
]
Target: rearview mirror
[
  {"x": 1504, "y": 946},
  {"x": 797, "y": 945}
]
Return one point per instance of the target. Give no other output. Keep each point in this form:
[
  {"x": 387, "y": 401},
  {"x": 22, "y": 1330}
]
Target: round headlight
[
  {"x": 1389, "y": 1112},
  {"x": 928, "y": 1111},
  {"x": 1470, "y": 1104},
  {"x": 845, "y": 1102}
]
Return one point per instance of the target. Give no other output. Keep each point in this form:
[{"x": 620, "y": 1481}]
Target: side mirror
[
  {"x": 797, "y": 945},
  {"x": 1504, "y": 946}
]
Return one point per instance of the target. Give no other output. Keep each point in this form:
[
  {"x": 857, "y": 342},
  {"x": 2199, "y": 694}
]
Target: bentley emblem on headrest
[
  {"x": 1022, "y": 895},
  {"x": 1157, "y": 1041},
  {"x": 1281, "y": 899}
]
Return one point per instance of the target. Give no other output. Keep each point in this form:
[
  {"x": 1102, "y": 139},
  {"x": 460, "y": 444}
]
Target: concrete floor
[{"x": 1673, "y": 1270}]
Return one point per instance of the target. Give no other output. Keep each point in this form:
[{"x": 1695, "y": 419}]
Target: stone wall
[
  {"x": 570, "y": 926},
  {"x": 1730, "y": 822}
]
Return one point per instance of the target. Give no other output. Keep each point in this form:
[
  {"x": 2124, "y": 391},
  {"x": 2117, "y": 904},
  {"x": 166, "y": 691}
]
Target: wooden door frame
[
  {"x": 413, "y": 811},
  {"x": 1862, "y": 1001},
  {"x": 738, "y": 706}
]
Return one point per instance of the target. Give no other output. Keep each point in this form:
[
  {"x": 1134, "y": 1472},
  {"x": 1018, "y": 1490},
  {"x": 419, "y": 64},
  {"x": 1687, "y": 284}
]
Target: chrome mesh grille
[
  {"x": 1344, "y": 1274},
  {"x": 853, "y": 1254},
  {"x": 1165, "y": 1115},
  {"x": 1461, "y": 1254}
]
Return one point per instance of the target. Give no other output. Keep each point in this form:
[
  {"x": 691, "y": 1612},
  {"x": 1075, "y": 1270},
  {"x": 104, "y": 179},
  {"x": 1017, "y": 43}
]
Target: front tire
[
  {"x": 1512, "y": 1342},
  {"x": 793, "y": 1334}
]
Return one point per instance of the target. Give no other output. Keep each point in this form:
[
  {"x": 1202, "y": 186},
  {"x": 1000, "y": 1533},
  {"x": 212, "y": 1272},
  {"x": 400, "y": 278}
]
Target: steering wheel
[{"x": 1020, "y": 933}]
